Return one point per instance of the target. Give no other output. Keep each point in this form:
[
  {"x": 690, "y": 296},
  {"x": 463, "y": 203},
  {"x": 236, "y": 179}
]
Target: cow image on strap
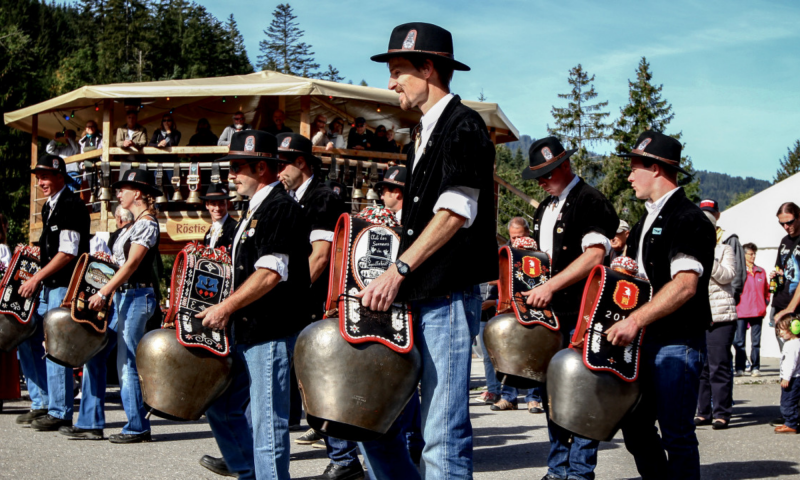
[
  {"x": 23, "y": 265},
  {"x": 364, "y": 247},
  {"x": 202, "y": 277},
  {"x": 611, "y": 295}
]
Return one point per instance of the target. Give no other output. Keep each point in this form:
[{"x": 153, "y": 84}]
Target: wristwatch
[
  {"x": 402, "y": 267},
  {"x": 103, "y": 297}
]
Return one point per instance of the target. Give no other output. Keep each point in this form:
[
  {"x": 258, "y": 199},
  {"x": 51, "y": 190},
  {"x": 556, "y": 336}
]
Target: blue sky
[{"x": 731, "y": 68}]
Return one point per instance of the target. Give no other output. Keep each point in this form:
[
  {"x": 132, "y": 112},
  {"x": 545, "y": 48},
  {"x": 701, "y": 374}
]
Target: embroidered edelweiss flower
[
  {"x": 398, "y": 337},
  {"x": 519, "y": 276},
  {"x": 354, "y": 328}
]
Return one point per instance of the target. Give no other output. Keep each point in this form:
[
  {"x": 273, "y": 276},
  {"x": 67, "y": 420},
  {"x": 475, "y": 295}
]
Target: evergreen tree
[
  {"x": 363, "y": 83},
  {"x": 790, "y": 164},
  {"x": 509, "y": 165},
  {"x": 332, "y": 74},
  {"x": 646, "y": 110},
  {"x": 482, "y": 97},
  {"x": 283, "y": 50},
  {"x": 580, "y": 123}
]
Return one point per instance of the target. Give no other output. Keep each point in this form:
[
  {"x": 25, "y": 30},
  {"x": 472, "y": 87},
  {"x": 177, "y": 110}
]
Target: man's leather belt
[{"x": 128, "y": 286}]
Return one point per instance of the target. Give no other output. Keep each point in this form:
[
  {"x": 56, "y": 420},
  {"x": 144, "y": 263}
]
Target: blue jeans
[
  {"x": 134, "y": 307},
  {"x": 60, "y": 391},
  {"x": 268, "y": 366},
  {"x": 669, "y": 380},
  {"x": 789, "y": 398},
  {"x": 492, "y": 383},
  {"x": 231, "y": 423},
  {"x": 576, "y": 460},
  {"x": 444, "y": 330},
  {"x": 91, "y": 414},
  {"x": 740, "y": 340},
  {"x": 392, "y": 447},
  {"x": 32, "y": 362},
  {"x": 531, "y": 395},
  {"x": 341, "y": 452}
]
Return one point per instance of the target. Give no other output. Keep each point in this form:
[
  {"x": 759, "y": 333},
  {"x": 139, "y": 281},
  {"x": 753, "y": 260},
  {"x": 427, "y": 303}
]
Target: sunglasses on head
[{"x": 783, "y": 224}]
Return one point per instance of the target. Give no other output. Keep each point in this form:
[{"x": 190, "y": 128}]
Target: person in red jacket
[{"x": 751, "y": 310}]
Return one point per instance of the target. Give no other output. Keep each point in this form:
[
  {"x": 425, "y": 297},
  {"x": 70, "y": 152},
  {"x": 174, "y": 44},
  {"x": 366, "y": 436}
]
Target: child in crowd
[{"x": 788, "y": 329}]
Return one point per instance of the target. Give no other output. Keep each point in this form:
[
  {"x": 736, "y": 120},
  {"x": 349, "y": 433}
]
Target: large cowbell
[
  {"x": 184, "y": 370},
  {"x": 356, "y": 389},
  {"x": 74, "y": 333},
  {"x": 522, "y": 342},
  {"x": 17, "y": 322},
  {"x": 591, "y": 389}
]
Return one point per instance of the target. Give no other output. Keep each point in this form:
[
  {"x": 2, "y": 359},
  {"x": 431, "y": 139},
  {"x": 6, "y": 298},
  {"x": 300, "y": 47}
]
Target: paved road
[{"x": 508, "y": 445}]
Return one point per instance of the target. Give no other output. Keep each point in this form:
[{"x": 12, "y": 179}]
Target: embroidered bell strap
[
  {"x": 362, "y": 252},
  {"x": 176, "y": 175},
  {"x": 201, "y": 278},
  {"x": 520, "y": 271},
  {"x": 215, "y": 175},
  {"x": 23, "y": 265},
  {"x": 90, "y": 275},
  {"x": 193, "y": 179},
  {"x": 610, "y": 296}
]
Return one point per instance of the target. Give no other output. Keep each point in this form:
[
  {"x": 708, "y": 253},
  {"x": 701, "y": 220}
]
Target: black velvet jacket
[
  {"x": 226, "y": 237},
  {"x": 69, "y": 214},
  {"x": 458, "y": 154},
  {"x": 322, "y": 209},
  {"x": 585, "y": 210},
  {"x": 681, "y": 227},
  {"x": 277, "y": 226}
]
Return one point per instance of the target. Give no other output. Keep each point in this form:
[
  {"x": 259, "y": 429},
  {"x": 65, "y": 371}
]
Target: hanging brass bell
[
  {"x": 372, "y": 196},
  {"x": 194, "y": 197},
  {"x": 105, "y": 194},
  {"x": 177, "y": 197}
]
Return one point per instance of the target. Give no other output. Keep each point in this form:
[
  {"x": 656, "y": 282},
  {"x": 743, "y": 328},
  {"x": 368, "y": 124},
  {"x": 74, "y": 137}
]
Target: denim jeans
[
  {"x": 60, "y": 389},
  {"x": 575, "y": 460},
  {"x": 443, "y": 332},
  {"x": 789, "y": 398},
  {"x": 669, "y": 379},
  {"x": 32, "y": 362},
  {"x": 268, "y": 366},
  {"x": 392, "y": 447},
  {"x": 134, "y": 307},
  {"x": 231, "y": 423},
  {"x": 531, "y": 395},
  {"x": 91, "y": 414},
  {"x": 341, "y": 452},
  {"x": 740, "y": 342},
  {"x": 492, "y": 383}
]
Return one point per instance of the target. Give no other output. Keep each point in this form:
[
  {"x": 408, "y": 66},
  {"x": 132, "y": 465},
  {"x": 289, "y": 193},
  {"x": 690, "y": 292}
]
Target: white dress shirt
[
  {"x": 216, "y": 230},
  {"x": 680, "y": 262},
  {"x": 277, "y": 262},
  {"x": 459, "y": 200},
  {"x": 552, "y": 214},
  {"x": 68, "y": 240},
  {"x": 316, "y": 235},
  {"x": 399, "y": 216}
]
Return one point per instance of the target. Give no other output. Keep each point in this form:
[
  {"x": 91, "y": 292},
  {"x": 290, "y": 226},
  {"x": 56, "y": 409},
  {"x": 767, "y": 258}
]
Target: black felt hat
[
  {"x": 139, "y": 179},
  {"x": 252, "y": 145},
  {"x": 658, "y": 147},
  {"x": 544, "y": 156},
  {"x": 294, "y": 145},
  {"x": 394, "y": 177},
  {"x": 52, "y": 164},
  {"x": 422, "y": 39},
  {"x": 217, "y": 191}
]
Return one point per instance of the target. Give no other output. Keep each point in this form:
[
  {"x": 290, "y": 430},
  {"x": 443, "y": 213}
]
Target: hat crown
[
  {"x": 254, "y": 142},
  {"x": 544, "y": 150},
  {"x": 419, "y": 36},
  {"x": 658, "y": 144},
  {"x": 294, "y": 142},
  {"x": 51, "y": 163}
]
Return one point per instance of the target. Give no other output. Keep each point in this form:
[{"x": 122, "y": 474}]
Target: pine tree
[
  {"x": 646, "y": 110},
  {"x": 283, "y": 50},
  {"x": 331, "y": 74},
  {"x": 790, "y": 164},
  {"x": 482, "y": 97},
  {"x": 580, "y": 123},
  {"x": 363, "y": 83}
]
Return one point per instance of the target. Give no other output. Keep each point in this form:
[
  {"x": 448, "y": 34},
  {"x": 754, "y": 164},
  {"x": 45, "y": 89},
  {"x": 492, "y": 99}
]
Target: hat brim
[
  {"x": 217, "y": 197},
  {"x": 665, "y": 164},
  {"x": 528, "y": 174},
  {"x": 249, "y": 158},
  {"x": 41, "y": 168},
  {"x": 145, "y": 188},
  {"x": 385, "y": 57}
]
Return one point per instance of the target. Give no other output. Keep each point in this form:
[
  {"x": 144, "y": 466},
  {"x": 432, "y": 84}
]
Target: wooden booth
[{"x": 258, "y": 95}]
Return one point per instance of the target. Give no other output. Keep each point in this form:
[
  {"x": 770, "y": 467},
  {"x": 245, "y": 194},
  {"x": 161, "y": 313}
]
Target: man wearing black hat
[
  {"x": 574, "y": 226},
  {"x": 268, "y": 305},
  {"x": 674, "y": 246},
  {"x": 64, "y": 237},
  {"x": 447, "y": 249},
  {"x": 223, "y": 227},
  {"x": 391, "y": 190},
  {"x": 322, "y": 209},
  {"x": 359, "y": 137}
]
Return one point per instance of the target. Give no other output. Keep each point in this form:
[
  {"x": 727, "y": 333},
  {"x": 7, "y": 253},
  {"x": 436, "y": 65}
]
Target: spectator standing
[
  {"x": 278, "y": 119},
  {"x": 132, "y": 134},
  {"x": 787, "y": 266},
  {"x": 335, "y": 132},
  {"x": 359, "y": 137},
  {"x": 750, "y": 312},
  {"x": 733, "y": 240},
  {"x": 319, "y": 135},
  {"x": 790, "y": 371},
  {"x": 237, "y": 126},
  {"x": 166, "y": 136},
  {"x": 203, "y": 136},
  {"x": 65, "y": 145},
  {"x": 716, "y": 379},
  {"x": 92, "y": 139}
]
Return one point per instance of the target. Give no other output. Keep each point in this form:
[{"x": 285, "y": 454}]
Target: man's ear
[{"x": 427, "y": 69}]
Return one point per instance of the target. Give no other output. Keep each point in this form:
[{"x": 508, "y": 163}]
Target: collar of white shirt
[
  {"x": 54, "y": 198},
  {"x": 568, "y": 188},
  {"x": 653, "y": 208},
  {"x": 428, "y": 121},
  {"x": 301, "y": 190},
  {"x": 260, "y": 196},
  {"x": 219, "y": 223}
]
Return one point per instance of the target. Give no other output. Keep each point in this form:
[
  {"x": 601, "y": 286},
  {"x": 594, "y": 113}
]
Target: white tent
[{"x": 755, "y": 221}]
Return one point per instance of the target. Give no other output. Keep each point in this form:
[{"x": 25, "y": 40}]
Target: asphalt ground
[{"x": 508, "y": 445}]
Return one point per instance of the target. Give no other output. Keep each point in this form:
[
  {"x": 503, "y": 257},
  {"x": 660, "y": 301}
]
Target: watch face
[{"x": 402, "y": 268}]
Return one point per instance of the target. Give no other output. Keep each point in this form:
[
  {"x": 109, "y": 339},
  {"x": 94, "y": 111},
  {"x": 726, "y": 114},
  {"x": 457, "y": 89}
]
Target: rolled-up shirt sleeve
[
  {"x": 69, "y": 241},
  {"x": 685, "y": 263},
  {"x": 593, "y": 238},
  {"x": 321, "y": 235},
  {"x": 462, "y": 201},
  {"x": 277, "y": 262}
]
